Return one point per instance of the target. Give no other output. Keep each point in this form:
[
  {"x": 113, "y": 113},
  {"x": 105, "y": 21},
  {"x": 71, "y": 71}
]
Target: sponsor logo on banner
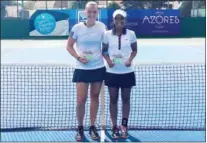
[
  {"x": 45, "y": 23},
  {"x": 160, "y": 22},
  {"x": 159, "y": 19},
  {"x": 82, "y": 16},
  {"x": 49, "y": 23}
]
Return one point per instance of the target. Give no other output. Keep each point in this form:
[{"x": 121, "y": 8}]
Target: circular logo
[
  {"x": 159, "y": 19},
  {"x": 45, "y": 23}
]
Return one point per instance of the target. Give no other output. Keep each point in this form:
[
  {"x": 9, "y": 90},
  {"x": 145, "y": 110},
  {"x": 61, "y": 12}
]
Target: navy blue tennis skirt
[
  {"x": 120, "y": 80},
  {"x": 89, "y": 76}
]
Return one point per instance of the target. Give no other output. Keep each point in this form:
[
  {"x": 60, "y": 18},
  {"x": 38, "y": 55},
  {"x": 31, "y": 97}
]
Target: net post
[{"x": 102, "y": 113}]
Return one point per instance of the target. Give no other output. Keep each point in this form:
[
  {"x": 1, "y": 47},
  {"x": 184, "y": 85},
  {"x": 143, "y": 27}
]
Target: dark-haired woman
[{"x": 119, "y": 49}]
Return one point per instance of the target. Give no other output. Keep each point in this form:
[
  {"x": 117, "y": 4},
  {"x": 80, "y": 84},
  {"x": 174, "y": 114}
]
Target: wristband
[
  {"x": 106, "y": 53},
  {"x": 78, "y": 58}
]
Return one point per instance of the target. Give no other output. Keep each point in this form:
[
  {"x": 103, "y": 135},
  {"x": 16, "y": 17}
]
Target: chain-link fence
[{"x": 24, "y": 9}]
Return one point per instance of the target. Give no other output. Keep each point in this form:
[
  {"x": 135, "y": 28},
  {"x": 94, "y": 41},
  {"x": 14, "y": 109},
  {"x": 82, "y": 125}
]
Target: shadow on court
[
  {"x": 85, "y": 139},
  {"x": 129, "y": 139}
]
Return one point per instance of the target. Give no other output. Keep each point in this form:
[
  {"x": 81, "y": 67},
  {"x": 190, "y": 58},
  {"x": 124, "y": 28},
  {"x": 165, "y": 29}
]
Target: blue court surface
[
  {"x": 167, "y": 105},
  {"x": 134, "y": 136}
]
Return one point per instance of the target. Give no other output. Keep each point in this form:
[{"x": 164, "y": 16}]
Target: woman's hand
[
  {"x": 128, "y": 63},
  {"x": 82, "y": 60},
  {"x": 111, "y": 64}
]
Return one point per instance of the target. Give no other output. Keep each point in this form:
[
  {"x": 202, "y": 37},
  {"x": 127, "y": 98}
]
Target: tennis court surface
[{"x": 38, "y": 99}]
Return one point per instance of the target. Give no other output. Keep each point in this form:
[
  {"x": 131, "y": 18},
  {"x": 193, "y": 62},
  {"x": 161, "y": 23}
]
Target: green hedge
[{"x": 19, "y": 29}]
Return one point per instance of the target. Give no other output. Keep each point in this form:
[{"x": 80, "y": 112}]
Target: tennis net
[{"x": 166, "y": 96}]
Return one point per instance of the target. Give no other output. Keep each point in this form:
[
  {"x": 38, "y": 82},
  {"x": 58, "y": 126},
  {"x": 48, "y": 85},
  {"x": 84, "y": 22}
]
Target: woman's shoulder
[
  {"x": 108, "y": 32},
  {"x": 101, "y": 25},
  {"x": 130, "y": 31},
  {"x": 78, "y": 25}
]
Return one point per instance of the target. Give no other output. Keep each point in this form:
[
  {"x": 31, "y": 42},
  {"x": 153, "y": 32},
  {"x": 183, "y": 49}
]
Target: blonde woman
[{"x": 90, "y": 69}]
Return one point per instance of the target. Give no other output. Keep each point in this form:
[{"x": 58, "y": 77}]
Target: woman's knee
[
  {"x": 95, "y": 96},
  {"x": 126, "y": 100},
  {"x": 95, "y": 99},
  {"x": 114, "y": 94},
  {"x": 82, "y": 92},
  {"x": 95, "y": 91},
  {"x": 81, "y": 100},
  {"x": 126, "y": 95}
]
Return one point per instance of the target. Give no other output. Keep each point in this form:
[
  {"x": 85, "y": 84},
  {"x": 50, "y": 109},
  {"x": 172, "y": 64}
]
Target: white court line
[
  {"x": 10, "y": 51},
  {"x": 102, "y": 135},
  {"x": 199, "y": 50}
]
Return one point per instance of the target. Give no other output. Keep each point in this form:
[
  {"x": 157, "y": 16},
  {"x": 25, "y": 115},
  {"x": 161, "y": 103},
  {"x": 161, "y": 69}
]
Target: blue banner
[
  {"x": 49, "y": 23},
  {"x": 159, "y": 22},
  {"x": 143, "y": 22},
  {"x": 77, "y": 15}
]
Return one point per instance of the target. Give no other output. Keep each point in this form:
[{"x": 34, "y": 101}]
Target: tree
[
  {"x": 114, "y": 5},
  {"x": 30, "y": 5},
  {"x": 3, "y": 11},
  {"x": 59, "y": 4},
  {"x": 141, "y": 4},
  {"x": 80, "y": 4},
  {"x": 185, "y": 8},
  {"x": 146, "y": 4},
  {"x": 3, "y": 7},
  {"x": 199, "y": 4},
  {"x": 132, "y": 4}
]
